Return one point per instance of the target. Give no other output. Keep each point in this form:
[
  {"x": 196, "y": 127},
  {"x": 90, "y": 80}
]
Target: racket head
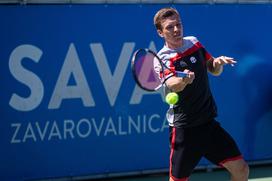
[{"x": 147, "y": 70}]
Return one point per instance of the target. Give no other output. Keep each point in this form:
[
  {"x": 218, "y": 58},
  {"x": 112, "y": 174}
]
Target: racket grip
[{"x": 181, "y": 74}]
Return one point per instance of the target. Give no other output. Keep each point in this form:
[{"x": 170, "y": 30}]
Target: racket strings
[{"x": 148, "y": 70}]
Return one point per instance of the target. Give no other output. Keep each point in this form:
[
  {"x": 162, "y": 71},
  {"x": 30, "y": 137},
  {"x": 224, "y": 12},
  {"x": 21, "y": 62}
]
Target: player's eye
[{"x": 169, "y": 27}]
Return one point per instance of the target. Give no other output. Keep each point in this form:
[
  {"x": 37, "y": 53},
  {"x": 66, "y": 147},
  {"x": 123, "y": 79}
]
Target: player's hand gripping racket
[{"x": 149, "y": 71}]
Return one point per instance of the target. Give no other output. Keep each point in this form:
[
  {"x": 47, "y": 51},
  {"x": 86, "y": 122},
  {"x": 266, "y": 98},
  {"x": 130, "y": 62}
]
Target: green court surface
[{"x": 257, "y": 173}]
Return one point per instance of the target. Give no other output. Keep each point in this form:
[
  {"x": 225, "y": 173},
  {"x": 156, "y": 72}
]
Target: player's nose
[{"x": 176, "y": 28}]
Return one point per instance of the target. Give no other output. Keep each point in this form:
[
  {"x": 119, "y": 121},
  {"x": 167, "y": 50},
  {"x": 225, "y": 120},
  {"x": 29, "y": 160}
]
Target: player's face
[{"x": 172, "y": 31}]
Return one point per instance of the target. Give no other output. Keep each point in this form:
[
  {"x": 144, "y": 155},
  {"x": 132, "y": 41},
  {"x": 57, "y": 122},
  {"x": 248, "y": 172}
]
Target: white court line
[{"x": 261, "y": 179}]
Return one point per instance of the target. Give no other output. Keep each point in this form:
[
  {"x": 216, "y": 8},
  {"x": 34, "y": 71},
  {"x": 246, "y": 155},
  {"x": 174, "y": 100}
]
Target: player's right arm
[{"x": 177, "y": 84}]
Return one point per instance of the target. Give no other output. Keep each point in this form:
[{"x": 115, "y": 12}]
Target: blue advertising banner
[{"x": 70, "y": 107}]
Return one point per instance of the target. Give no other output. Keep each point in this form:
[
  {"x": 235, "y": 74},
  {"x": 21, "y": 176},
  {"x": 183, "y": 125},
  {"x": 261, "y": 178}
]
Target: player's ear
[{"x": 160, "y": 33}]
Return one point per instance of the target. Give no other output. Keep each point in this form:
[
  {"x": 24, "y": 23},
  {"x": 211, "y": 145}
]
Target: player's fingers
[
  {"x": 216, "y": 61},
  {"x": 191, "y": 74},
  {"x": 224, "y": 59},
  {"x": 186, "y": 71},
  {"x": 227, "y": 60},
  {"x": 191, "y": 77},
  {"x": 230, "y": 60}
]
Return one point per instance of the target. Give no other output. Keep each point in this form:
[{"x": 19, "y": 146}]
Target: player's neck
[{"x": 174, "y": 45}]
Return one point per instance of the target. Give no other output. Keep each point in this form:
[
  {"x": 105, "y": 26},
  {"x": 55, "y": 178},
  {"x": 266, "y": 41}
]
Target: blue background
[{"x": 242, "y": 93}]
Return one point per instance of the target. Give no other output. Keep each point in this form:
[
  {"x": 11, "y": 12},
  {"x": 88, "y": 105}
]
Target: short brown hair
[{"x": 163, "y": 14}]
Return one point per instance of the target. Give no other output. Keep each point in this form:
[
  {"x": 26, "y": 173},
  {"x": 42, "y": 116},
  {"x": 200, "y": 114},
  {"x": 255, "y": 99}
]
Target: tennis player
[{"x": 194, "y": 132}]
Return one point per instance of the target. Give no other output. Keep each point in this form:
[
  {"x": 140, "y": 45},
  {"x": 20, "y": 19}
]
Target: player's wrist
[
  {"x": 217, "y": 70},
  {"x": 215, "y": 67}
]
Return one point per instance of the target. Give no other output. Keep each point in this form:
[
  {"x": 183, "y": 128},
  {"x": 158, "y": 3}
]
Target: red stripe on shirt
[{"x": 190, "y": 51}]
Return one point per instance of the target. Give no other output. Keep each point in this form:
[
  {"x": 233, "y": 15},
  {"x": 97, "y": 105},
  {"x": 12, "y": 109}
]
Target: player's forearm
[
  {"x": 214, "y": 69},
  {"x": 176, "y": 84}
]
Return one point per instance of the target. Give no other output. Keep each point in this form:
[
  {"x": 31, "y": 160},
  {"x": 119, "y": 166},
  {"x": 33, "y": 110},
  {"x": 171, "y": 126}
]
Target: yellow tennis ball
[{"x": 172, "y": 98}]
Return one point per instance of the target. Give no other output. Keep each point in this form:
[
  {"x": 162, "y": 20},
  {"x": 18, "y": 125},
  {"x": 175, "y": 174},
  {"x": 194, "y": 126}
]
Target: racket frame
[{"x": 163, "y": 66}]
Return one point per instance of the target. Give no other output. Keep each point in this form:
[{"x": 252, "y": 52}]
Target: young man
[{"x": 194, "y": 132}]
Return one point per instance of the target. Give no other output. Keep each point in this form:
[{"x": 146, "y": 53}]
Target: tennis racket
[{"x": 149, "y": 71}]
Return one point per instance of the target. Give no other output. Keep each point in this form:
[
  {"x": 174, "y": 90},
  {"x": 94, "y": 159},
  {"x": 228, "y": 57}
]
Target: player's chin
[{"x": 178, "y": 40}]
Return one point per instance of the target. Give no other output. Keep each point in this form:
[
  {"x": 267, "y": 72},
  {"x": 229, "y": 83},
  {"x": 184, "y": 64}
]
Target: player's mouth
[{"x": 177, "y": 37}]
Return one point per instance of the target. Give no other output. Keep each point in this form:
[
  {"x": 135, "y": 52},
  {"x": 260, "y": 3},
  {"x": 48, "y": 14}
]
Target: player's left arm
[{"x": 215, "y": 65}]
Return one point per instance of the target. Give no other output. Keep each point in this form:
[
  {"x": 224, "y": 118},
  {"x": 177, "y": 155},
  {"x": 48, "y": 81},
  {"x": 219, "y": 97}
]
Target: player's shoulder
[
  {"x": 166, "y": 53},
  {"x": 191, "y": 39}
]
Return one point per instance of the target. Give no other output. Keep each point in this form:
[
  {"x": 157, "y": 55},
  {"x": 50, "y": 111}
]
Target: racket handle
[{"x": 181, "y": 74}]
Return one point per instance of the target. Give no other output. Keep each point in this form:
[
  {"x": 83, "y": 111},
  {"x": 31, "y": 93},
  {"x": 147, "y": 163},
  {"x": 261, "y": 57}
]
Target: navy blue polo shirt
[{"x": 196, "y": 105}]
